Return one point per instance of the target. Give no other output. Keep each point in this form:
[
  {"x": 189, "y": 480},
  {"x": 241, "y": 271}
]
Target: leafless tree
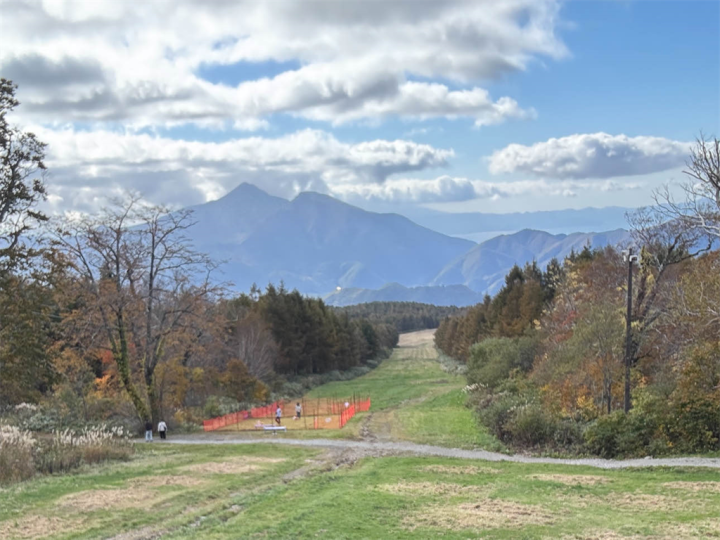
[
  {"x": 145, "y": 286},
  {"x": 255, "y": 346},
  {"x": 700, "y": 210}
]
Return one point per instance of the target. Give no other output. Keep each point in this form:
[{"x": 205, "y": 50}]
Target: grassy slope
[
  {"x": 391, "y": 497},
  {"x": 412, "y": 399}
]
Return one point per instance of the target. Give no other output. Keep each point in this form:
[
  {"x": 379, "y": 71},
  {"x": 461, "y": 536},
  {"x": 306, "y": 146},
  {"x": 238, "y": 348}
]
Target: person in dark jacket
[{"x": 148, "y": 431}]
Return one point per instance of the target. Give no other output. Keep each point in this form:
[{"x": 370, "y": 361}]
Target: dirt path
[{"x": 405, "y": 448}]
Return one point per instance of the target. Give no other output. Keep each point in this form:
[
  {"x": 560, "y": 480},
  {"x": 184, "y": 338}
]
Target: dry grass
[
  {"x": 431, "y": 488},
  {"x": 171, "y": 480},
  {"x": 238, "y": 465},
  {"x": 98, "y": 499},
  {"x": 457, "y": 469},
  {"x": 653, "y": 503},
  {"x": 604, "y": 535},
  {"x": 706, "y": 529},
  {"x": 695, "y": 487},
  {"x": 486, "y": 514},
  {"x": 572, "y": 479},
  {"x": 35, "y": 527},
  {"x": 416, "y": 339},
  {"x": 579, "y": 500}
]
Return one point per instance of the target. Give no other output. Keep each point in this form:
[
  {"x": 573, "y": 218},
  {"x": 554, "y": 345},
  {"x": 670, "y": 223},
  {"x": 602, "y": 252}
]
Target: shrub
[
  {"x": 695, "y": 425},
  {"x": 530, "y": 426},
  {"x": 493, "y": 360},
  {"x": 68, "y": 450},
  {"x": 497, "y": 413},
  {"x": 21, "y": 455},
  {"x": 16, "y": 454},
  {"x": 568, "y": 434},
  {"x": 619, "y": 434},
  {"x": 694, "y": 420},
  {"x": 601, "y": 437}
]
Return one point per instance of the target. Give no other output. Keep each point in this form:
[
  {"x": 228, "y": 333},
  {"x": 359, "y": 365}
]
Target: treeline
[
  {"x": 511, "y": 313},
  {"x": 404, "y": 316},
  {"x": 549, "y": 358},
  {"x": 116, "y": 317},
  {"x": 308, "y": 337}
]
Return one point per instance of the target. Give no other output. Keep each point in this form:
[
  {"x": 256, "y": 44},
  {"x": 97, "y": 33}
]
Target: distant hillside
[
  {"x": 484, "y": 267},
  {"x": 316, "y": 243},
  {"x": 450, "y": 295},
  {"x": 477, "y": 224},
  {"x": 404, "y": 316}
]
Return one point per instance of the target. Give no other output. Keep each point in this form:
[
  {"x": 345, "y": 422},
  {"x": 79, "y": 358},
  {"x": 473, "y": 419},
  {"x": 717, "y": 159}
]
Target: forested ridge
[
  {"x": 557, "y": 361},
  {"x": 404, "y": 316}
]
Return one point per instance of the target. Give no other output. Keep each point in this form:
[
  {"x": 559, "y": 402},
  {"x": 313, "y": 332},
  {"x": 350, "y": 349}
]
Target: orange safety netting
[{"x": 324, "y": 413}]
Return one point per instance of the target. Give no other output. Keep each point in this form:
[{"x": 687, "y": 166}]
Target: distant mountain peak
[{"x": 245, "y": 189}]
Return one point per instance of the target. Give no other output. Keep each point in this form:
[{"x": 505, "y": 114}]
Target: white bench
[{"x": 274, "y": 429}]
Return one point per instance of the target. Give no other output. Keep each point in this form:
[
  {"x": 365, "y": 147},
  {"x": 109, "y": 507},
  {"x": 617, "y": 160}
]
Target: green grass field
[
  {"x": 413, "y": 399},
  {"x": 282, "y": 492},
  {"x": 260, "y": 491}
]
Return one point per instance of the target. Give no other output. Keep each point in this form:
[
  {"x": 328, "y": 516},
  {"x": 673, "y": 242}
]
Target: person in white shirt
[
  {"x": 162, "y": 429},
  {"x": 278, "y": 415},
  {"x": 298, "y": 411}
]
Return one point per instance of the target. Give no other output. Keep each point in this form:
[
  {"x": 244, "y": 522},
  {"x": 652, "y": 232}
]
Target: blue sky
[{"x": 456, "y": 106}]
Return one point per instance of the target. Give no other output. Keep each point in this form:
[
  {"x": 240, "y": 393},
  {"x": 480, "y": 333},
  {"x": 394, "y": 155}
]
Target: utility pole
[{"x": 630, "y": 259}]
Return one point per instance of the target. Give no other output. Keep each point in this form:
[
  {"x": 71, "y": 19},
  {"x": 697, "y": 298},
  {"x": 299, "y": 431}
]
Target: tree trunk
[{"x": 123, "y": 364}]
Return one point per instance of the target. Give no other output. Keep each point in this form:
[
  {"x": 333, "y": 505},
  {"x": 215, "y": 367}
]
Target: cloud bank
[
  {"x": 457, "y": 189},
  {"x": 594, "y": 155},
  {"x": 87, "y": 167},
  {"x": 157, "y": 63}
]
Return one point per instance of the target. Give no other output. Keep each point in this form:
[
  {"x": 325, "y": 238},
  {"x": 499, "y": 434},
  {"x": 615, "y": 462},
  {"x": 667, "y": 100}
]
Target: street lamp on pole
[{"x": 629, "y": 258}]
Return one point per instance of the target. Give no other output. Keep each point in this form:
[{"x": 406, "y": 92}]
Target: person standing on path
[
  {"x": 162, "y": 429},
  {"x": 148, "y": 431},
  {"x": 278, "y": 415},
  {"x": 298, "y": 410}
]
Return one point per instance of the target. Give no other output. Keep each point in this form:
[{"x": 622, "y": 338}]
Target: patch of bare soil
[
  {"x": 605, "y": 535},
  {"x": 653, "y": 503},
  {"x": 170, "y": 480},
  {"x": 96, "y": 499},
  {"x": 486, "y": 514},
  {"x": 708, "y": 528},
  {"x": 366, "y": 433},
  {"x": 432, "y": 488},
  {"x": 238, "y": 465},
  {"x": 572, "y": 479},
  {"x": 457, "y": 469},
  {"x": 695, "y": 487},
  {"x": 35, "y": 527}
]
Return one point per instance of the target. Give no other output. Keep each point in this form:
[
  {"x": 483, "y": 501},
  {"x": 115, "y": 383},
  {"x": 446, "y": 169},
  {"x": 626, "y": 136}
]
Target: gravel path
[{"x": 427, "y": 450}]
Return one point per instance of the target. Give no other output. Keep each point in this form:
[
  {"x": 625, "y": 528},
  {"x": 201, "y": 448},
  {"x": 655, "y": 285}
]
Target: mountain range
[
  {"x": 325, "y": 247},
  {"x": 479, "y": 226}
]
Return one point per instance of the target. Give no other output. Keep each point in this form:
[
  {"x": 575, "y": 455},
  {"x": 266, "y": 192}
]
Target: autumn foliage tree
[{"x": 140, "y": 288}]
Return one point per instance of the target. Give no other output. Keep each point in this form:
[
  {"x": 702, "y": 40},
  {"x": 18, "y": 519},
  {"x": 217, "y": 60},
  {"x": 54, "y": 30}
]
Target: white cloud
[
  {"x": 446, "y": 189},
  {"x": 140, "y": 63},
  {"x": 87, "y": 167},
  {"x": 595, "y": 155}
]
